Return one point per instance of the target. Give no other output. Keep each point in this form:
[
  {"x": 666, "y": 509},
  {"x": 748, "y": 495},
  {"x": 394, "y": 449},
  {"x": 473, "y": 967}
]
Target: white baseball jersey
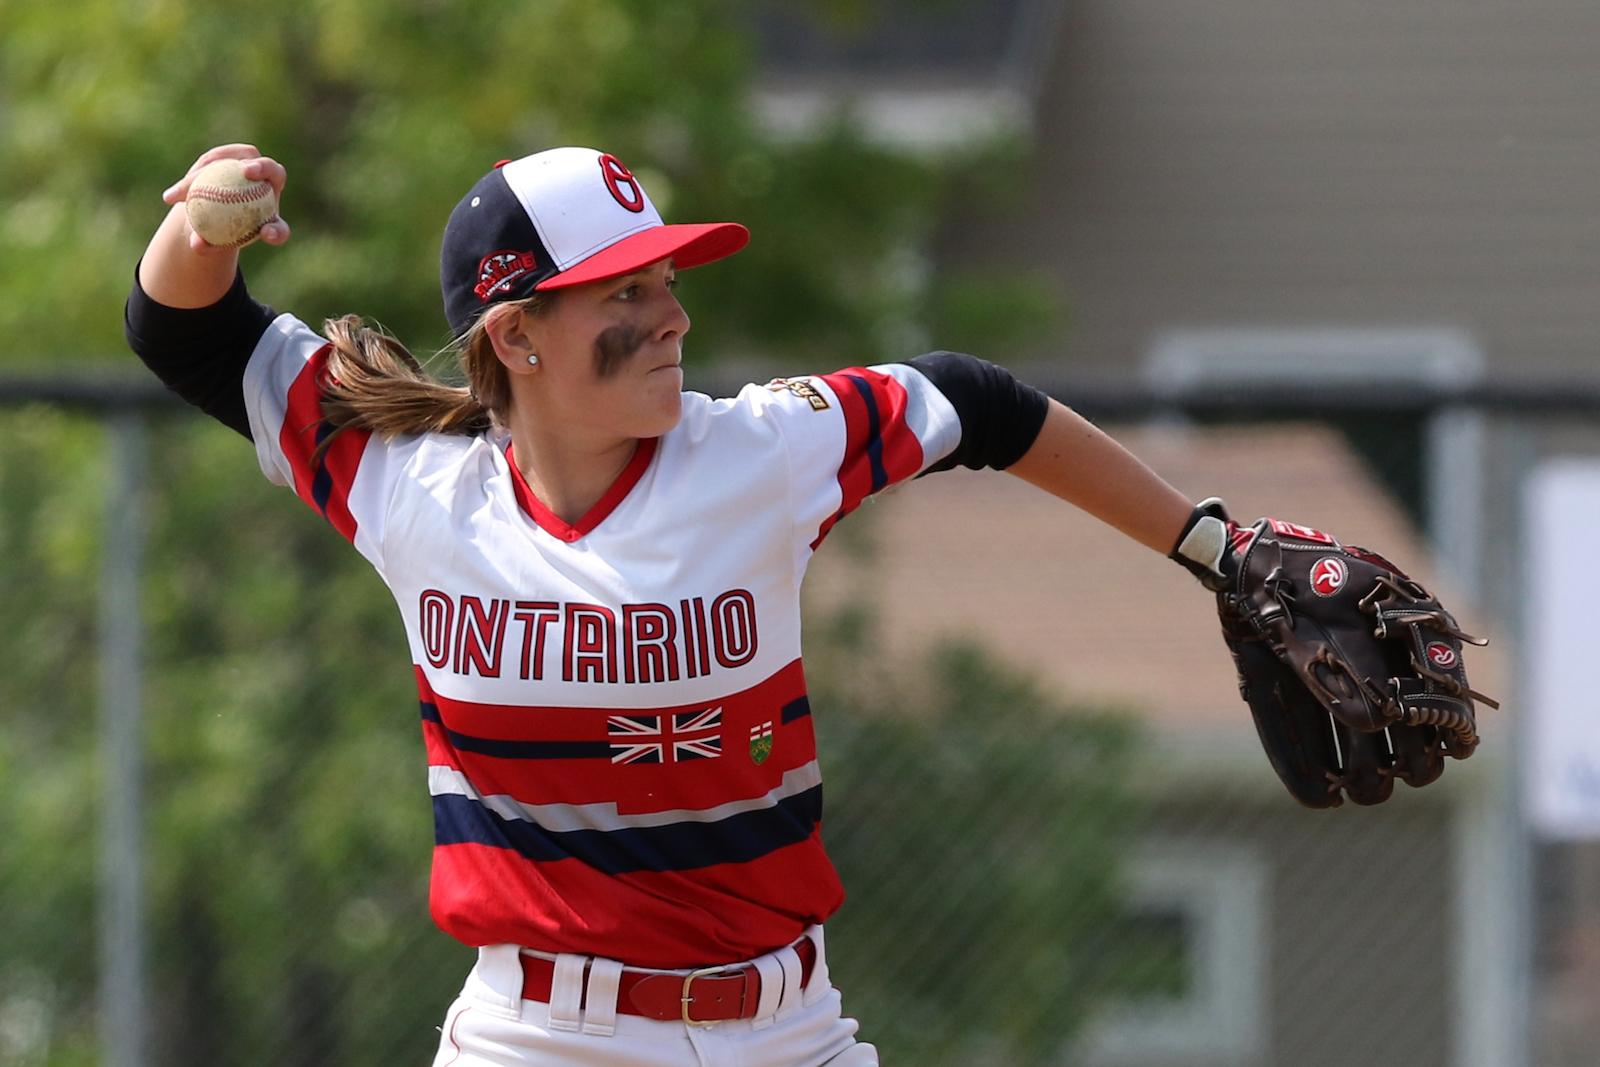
[{"x": 620, "y": 747}]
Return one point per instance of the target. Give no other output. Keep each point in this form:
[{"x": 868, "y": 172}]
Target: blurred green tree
[
  {"x": 978, "y": 831},
  {"x": 385, "y": 111},
  {"x": 978, "y": 825}
]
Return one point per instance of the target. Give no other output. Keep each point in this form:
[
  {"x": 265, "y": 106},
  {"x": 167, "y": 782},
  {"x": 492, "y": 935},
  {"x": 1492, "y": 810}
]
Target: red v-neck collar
[{"x": 558, "y": 527}]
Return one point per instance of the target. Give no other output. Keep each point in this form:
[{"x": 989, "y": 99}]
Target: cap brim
[{"x": 687, "y": 245}]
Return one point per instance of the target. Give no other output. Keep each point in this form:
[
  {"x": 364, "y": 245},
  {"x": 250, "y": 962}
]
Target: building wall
[
  {"x": 1359, "y": 927},
  {"x": 1293, "y": 162}
]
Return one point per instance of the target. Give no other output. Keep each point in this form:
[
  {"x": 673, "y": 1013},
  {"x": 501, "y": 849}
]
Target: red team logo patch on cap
[
  {"x": 619, "y": 178},
  {"x": 1328, "y": 576},
  {"x": 1302, "y": 533},
  {"x": 498, "y": 270},
  {"x": 1442, "y": 655}
]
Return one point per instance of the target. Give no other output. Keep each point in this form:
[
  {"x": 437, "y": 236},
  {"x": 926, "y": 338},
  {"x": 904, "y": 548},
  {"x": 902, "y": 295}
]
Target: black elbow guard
[
  {"x": 200, "y": 353},
  {"x": 1000, "y": 416}
]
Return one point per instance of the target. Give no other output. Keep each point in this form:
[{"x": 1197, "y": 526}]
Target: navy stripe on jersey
[
  {"x": 322, "y": 481},
  {"x": 880, "y": 446},
  {"x": 880, "y": 477},
  {"x": 680, "y": 846},
  {"x": 489, "y": 746},
  {"x": 796, "y": 709},
  {"x": 485, "y": 746}
]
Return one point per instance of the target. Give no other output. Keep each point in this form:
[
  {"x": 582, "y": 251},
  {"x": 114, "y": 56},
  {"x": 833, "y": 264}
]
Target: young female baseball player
[{"x": 599, "y": 575}]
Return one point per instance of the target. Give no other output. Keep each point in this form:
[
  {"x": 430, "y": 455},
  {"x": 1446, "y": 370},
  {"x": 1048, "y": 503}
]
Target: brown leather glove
[{"x": 1352, "y": 670}]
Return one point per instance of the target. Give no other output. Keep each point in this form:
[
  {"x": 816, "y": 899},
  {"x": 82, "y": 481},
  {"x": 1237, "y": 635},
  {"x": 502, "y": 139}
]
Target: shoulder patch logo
[
  {"x": 761, "y": 742},
  {"x": 801, "y": 388}
]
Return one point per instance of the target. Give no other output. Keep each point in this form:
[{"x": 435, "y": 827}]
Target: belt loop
[
  {"x": 499, "y": 975},
  {"x": 771, "y": 972},
  {"x": 566, "y": 991},
  {"x": 789, "y": 960},
  {"x": 819, "y": 983},
  {"x": 600, "y": 1002}
]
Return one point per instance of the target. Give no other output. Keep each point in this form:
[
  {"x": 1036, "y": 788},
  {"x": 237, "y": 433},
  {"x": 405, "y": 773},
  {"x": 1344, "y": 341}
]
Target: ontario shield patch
[{"x": 761, "y": 742}]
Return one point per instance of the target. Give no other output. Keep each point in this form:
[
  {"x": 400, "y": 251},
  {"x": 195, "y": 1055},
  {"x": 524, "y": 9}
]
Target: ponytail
[{"x": 373, "y": 383}]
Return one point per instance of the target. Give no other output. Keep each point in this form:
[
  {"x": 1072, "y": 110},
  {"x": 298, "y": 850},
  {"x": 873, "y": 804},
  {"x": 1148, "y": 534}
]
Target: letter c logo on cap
[{"x": 623, "y": 185}]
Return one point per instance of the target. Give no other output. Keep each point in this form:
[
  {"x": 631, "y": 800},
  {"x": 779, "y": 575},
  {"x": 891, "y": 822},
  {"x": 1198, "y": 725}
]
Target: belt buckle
[{"x": 686, "y": 999}]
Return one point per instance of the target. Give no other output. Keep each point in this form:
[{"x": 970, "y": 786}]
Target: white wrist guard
[{"x": 1204, "y": 547}]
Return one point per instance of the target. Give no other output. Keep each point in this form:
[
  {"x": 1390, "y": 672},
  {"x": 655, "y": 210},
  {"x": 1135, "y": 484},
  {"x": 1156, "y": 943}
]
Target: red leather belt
[{"x": 704, "y": 996}]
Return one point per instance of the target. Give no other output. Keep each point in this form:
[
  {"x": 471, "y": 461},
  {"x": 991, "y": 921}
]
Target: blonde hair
[{"x": 374, "y": 383}]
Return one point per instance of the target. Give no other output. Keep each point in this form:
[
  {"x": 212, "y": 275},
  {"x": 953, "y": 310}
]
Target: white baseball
[{"x": 227, "y": 209}]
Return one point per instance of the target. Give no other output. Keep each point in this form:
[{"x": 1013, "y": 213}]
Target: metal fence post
[
  {"x": 1496, "y": 904},
  {"x": 1454, "y": 478},
  {"x": 123, "y": 1014},
  {"x": 1520, "y": 444}
]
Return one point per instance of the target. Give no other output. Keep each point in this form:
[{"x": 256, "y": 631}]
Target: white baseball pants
[{"x": 490, "y": 1025}]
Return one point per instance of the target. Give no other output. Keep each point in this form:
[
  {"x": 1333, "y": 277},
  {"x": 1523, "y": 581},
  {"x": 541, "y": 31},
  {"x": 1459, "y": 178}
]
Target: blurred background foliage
[
  {"x": 289, "y": 826},
  {"x": 385, "y": 111},
  {"x": 978, "y": 826}
]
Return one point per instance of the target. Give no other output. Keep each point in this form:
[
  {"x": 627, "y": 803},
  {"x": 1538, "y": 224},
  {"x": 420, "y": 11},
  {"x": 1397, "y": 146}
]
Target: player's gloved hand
[{"x": 1352, "y": 670}]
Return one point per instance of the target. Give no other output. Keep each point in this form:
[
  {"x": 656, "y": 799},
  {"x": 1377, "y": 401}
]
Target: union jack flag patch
[{"x": 642, "y": 739}]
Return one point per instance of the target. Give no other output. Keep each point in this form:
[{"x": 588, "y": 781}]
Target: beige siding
[
  {"x": 1358, "y": 967},
  {"x": 1290, "y": 162}
]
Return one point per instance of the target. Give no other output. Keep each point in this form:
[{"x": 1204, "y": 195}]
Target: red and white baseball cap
[{"x": 558, "y": 218}]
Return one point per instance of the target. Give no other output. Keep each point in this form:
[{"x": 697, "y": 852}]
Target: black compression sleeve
[
  {"x": 200, "y": 353},
  {"x": 1000, "y": 416}
]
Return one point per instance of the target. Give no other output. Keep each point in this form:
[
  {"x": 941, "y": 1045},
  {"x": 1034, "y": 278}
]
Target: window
[{"x": 1217, "y": 894}]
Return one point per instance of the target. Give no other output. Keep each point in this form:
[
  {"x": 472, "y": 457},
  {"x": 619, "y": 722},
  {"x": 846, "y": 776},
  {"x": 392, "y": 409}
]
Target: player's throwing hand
[{"x": 255, "y": 167}]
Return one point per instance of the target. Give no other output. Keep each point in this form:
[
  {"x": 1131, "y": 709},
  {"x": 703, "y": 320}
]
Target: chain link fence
[{"x": 1037, "y": 874}]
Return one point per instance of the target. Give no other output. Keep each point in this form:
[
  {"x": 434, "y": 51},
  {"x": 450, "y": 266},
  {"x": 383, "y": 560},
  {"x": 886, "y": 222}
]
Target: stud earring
[{"x": 533, "y": 359}]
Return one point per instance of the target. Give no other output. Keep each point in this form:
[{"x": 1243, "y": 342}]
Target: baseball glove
[{"x": 1352, "y": 670}]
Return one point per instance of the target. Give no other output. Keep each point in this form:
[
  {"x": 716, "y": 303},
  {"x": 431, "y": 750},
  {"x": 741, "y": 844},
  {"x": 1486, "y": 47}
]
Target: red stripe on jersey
[
  {"x": 324, "y": 485},
  {"x": 647, "y": 919},
  {"x": 554, "y": 524},
  {"x": 560, "y": 755},
  {"x": 435, "y": 738},
  {"x": 437, "y": 743},
  {"x": 498, "y": 878},
  {"x": 880, "y": 448}
]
